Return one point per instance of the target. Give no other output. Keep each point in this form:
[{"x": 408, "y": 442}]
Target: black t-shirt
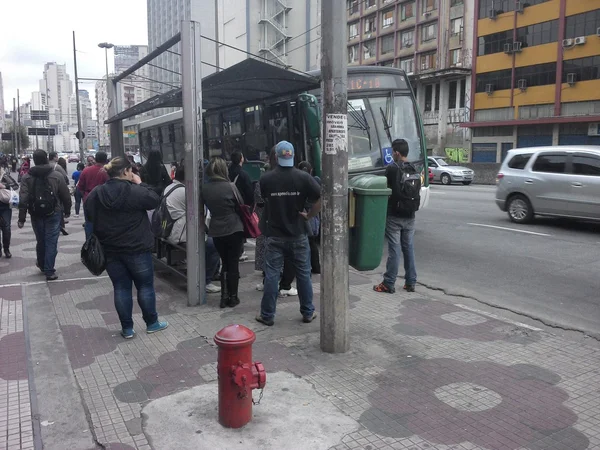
[
  {"x": 285, "y": 191},
  {"x": 391, "y": 172}
]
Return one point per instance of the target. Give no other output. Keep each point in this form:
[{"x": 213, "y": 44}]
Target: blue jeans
[
  {"x": 400, "y": 233},
  {"x": 46, "y": 231},
  {"x": 297, "y": 252},
  {"x": 212, "y": 260},
  {"x": 124, "y": 270},
  {"x": 78, "y": 197}
]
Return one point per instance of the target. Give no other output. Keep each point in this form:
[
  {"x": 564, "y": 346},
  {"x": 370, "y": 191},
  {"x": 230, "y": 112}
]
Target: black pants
[
  {"x": 315, "y": 262},
  {"x": 5, "y": 219},
  {"x": 229, "y": 250}
]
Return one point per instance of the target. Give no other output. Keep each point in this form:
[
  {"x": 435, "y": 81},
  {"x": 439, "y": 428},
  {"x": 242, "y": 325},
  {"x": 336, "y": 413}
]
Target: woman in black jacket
[
  {"x": 118, "y": 210},
  {"x": 226, "y": 227},
  {"x": 155, "y": 173}
]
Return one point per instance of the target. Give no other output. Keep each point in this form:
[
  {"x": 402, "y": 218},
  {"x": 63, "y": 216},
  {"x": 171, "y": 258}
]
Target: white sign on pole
[{"x": 336, "y": 134}]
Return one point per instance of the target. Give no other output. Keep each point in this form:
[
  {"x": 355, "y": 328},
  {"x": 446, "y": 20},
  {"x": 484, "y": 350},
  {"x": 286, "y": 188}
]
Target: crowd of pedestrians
[{"x": 118, "y": 205}]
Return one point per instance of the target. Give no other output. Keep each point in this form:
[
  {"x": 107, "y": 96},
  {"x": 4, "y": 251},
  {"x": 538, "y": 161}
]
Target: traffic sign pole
[{"x": 77, "y": 100}]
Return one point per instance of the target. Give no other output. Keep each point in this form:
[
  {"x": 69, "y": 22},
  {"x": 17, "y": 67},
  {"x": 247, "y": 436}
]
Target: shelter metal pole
[
  {"x": 194, "y": 161},
  {"x": 334, "y": 281}
]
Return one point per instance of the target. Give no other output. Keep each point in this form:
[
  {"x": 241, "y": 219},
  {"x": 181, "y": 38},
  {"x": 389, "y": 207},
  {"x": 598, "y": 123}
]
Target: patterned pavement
[{"x": 421, "y": 373}]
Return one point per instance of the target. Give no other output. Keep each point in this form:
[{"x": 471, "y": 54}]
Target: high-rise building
[
  {"x": 2, "y": 112},
  {"x": 134, "y": 89},
  {"x": 431, "y": 40},
  {"x": 102, "y": 114},
  {"x": 164, "y": 22},
  {"x": 85, "y": 109},
  {"x": 536, "y": 75},
  {"x": 57, "y": 87},
  {"x": 286, "y": 32}
]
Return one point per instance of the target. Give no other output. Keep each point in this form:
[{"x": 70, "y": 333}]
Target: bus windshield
[{"x": 373, "y": 123}]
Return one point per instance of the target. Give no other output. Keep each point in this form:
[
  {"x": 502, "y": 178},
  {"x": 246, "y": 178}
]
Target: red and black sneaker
[{"x": 382, "y": 287}]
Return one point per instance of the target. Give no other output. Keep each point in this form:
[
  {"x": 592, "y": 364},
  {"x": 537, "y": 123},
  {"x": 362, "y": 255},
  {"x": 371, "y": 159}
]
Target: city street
[{"x": 547, "y": 270}]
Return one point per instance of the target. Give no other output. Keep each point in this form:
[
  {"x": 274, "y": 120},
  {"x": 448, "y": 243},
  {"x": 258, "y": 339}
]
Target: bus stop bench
[{"x": 170, "y": 256}]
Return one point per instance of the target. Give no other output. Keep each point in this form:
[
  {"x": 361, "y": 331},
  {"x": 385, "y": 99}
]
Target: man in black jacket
[
  {"x": 241, "y": 179},
  {"x": 45, "y": 195}
]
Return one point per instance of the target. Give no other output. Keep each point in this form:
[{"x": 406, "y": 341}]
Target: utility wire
[
  {"x": 150, "y": 79},
  {"x": 307, "y": 31},
  {"x": 165, "y": 69}
]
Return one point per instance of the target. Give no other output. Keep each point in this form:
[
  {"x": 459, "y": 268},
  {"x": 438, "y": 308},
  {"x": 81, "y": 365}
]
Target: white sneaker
[
  {"x": 212, "y": 289},
  {"x": 288, "y": 293},
  {"x": 76, "y": 216},
  {"x": 244, "y": 257},
  {"x": 260, "y": 287}
]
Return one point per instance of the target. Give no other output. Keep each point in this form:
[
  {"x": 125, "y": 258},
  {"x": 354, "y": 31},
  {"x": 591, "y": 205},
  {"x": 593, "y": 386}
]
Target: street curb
[{"x": 57, "y": 396}]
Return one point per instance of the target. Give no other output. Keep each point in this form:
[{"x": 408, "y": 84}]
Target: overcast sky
[{"x": 33, "y": 32}]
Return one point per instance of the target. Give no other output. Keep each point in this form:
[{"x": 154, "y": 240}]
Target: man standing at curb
[
  {"x": 44, "y": 194},
  {"x": 285, "y": 191},
  {"x": 405, "y": 183},
  {"x": 91, "y": 177}
]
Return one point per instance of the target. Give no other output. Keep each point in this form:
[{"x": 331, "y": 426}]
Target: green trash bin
[{"x": 368, "y": 205}]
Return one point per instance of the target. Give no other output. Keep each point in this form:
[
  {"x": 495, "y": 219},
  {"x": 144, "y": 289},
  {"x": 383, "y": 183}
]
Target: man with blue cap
[{"x": 285, "y": 191}]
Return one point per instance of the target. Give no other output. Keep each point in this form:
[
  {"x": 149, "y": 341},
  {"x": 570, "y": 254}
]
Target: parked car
[
  {"x": 448, "y": 174},
  {"x": 550, "y": 181},
  {"x": 73, "y": 158}
]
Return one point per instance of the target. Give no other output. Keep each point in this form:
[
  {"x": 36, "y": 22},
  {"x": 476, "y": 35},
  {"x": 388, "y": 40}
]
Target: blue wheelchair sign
[{"x": 387, "y": 156}]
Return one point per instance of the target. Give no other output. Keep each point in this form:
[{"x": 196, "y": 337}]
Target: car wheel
[
  {"x": 466, "y": 183},
  {"x": 445, "y": 179},
  {"x": 519, "y": 209}
]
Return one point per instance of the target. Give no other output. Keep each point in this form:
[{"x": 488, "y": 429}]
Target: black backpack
[
  {"x": 162, "y": 222},
  {"x": 43, "y": 203},
  {"x": 406, "y": 192}
]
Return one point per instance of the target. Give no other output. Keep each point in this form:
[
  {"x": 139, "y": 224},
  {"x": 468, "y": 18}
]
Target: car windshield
[{"x": 373, "y": 123}]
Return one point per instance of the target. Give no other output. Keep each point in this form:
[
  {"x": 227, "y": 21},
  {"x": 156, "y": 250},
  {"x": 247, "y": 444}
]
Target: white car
[{"x": 447, "y": 174}]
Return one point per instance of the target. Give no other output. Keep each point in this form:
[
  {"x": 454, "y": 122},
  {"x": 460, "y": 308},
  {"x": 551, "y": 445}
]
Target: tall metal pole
[
  {"x": 79, "y": 131},
  {"x": 194, "y": 161},
  {"x": 217, "y": 56},
  {"x": 334, "y": 240},
  {"x": 14, "y": 128},
  {"x": 18, "y": 123}
]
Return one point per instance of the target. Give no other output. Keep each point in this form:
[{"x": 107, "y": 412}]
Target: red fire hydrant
[{"x": 238, "y": 375}]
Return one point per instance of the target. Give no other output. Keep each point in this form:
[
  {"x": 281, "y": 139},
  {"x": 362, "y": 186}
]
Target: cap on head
[{"x": 285, "y": 154}]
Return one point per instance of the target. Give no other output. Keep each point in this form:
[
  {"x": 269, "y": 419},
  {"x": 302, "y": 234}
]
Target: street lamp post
[{"x": 105, "y": 46}]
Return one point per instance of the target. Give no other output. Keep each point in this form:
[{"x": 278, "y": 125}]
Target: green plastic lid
[{"x": 369, "y": 185}]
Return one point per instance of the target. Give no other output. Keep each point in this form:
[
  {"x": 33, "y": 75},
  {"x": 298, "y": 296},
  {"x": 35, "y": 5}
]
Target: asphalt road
[{"x": 547, "y": 270}]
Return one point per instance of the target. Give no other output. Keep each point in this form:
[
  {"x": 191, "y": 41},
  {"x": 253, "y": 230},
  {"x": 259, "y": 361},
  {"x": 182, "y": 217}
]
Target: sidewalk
[{"x": 422, "y": 373}]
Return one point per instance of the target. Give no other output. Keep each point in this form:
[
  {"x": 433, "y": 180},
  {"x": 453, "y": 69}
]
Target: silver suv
[{"x": 550, "y": 181}]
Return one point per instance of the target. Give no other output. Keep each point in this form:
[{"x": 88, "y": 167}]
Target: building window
[
  {"x": 428, "y": 61},
  {"x": 407, "y": 38},
  {"x": 494, "y": 43},
  {"x": 408, "y": 65},
  {"x": 428, "y": 5},
  {"x": 463, "y": 93},
  {"x": 353, "y": 6},
  {"x": 369, "y": 49},
  {"x": 429, "y": 32},
  {"x": 428, "y": 97},
  {"x": 499, "y": 6},
  {"x": 456, "y": 2},
  {"x": 452, "y": 93},
  {"x": 499, "y": 79},
  {"x": 387, "y": 18},
  {"x": 389, "y": 63},
  {"x": 539, "y": 75},
  {"x": 585, "y": 24},
  {"x": 456, "y": 57},
  {"x": 437, "y": 97},
  {"x": 456, "y": 26},
  {"x": 407, "y": 10},
  {"x": 353, "y": 30},
  {"x": 370, "y": 25},
  {"x": 584, "y": 68},
  {"x": 538, "y": 34},
  {"x": 387, "y": 45},
  {"x": 370, "y": 3},
  {"x": 353, "y": 53}
]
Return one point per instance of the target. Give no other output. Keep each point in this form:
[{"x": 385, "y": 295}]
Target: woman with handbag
[
  {"x": 5, "y": 212},
  {"x": 226, "y": 227},
  {"x": 117, "y": 210}
]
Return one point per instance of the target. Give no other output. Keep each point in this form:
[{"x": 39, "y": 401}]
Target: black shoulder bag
[{"x": 92, "y": 253}]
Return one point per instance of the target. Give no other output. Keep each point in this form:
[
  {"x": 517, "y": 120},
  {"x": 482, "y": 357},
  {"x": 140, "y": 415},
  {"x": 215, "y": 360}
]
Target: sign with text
[
  {"x": 41, "y": 131},
  {"x": 336, "y": 134}
]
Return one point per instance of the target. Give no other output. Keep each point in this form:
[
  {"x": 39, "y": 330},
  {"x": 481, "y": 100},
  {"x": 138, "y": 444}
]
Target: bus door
[
  {"x": 256, "y": 145},
  {"x": 278, "y": 122},
  {"x": 232, "y": 132}
]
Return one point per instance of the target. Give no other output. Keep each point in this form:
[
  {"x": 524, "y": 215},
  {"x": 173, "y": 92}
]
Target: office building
[
  {"x": 2, "y": 111},
  {"x": 536, "y": 75},
  {"x": 431, "y": 40},
  {"x": 134, "y": 89},
  {"x": 102, "y": 114},
  {"x": 58, "y": 88}
]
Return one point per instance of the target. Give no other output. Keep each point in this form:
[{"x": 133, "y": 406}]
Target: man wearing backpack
[
  {"x": 44, "y": 194},
  {"x": 405, "y": 182}
]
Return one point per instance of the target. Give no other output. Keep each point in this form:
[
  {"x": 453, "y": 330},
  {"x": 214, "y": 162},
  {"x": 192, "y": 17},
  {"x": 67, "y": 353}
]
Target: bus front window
[{"x": 363, "y": 151}]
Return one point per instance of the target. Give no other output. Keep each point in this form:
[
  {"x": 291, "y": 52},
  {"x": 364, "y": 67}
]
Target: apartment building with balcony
[
  {"x": 536, "y": 75},
  {"x": 431, "y": 40}
]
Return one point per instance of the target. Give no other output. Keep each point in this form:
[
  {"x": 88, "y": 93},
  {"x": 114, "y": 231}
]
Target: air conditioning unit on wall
[
  {"x": 571, "y": 79},
  {"x": 519, "y": 7},
  {"x": 508, "y": 48},
  {"x": 566, "y": 43},
  {"x": 489, "y": 89},
  {"x": 517, "y": 46},
  {"x": 580, "y": 40},
  {"x": 522, "y": 84}
]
